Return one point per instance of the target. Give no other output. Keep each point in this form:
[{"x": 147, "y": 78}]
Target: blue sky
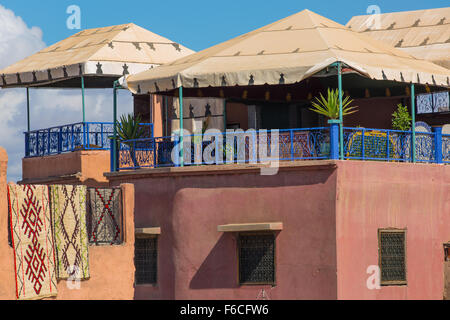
[{"x": 197, "y": 24}]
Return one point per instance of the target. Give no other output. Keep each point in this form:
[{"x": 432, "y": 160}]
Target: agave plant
[
  {"x": 129, "y": 128},
  {"x": 329, "y": 107}
]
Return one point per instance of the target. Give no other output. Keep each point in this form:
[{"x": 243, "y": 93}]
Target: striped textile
[
  {"x": 32, "y": 241},
  {"x": 68, "y": 205}
]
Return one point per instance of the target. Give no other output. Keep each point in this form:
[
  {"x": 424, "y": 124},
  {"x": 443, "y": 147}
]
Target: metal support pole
[
  {"x": 28, "y": 110},
  {"x": 438, "y": 145},
  {"x": 413, "y": 128},
  {"x": 114, "y": 145},
  {"x": 166, "y": 128},
  {"x": 82, "y": 97},
  {"x": 341, "y": 121},
  {"x": 224, "y": 115},
  {"x": 181, "y": 127}
]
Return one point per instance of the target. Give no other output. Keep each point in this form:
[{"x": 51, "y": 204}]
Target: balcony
[
  {"x": 284, "y": 145},
  {"x": 72, "y": 137}
]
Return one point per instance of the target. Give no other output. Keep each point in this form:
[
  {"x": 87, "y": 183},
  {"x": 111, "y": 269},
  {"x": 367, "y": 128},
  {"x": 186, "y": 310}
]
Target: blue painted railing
[
  {"x": 71, "y": 137},
  {"x": 388, "y": 145},
  {"x": 293, "y": 144}
]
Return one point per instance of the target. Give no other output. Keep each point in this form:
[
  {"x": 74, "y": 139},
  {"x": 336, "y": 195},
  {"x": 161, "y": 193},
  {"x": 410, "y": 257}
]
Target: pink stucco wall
[
  {"x": 111, "y": 267},
  {"x": 331, "y": 217},
  {"x": 373, "y": 195},
  {"x": 198, "y": 262}
]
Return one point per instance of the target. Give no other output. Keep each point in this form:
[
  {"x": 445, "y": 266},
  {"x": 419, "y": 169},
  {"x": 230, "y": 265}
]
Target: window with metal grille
[
  {"x": 256, "y": 259},
  {"x": 145, "y": 260},
  {"x": 392, "y": 256},
  {"x": 105, "y": 216}
]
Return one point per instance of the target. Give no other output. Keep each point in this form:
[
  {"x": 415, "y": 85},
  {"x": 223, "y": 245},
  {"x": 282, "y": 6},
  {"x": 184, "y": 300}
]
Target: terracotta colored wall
[
  {"x": 7, "y": 282},
  {"x": 373, "y": 195},
  {"x": 157, "y": 115},
  {"x": 198, "y": 262},
  {"x": 90, "y": 165},
  {"x": 111, "y": 267}
]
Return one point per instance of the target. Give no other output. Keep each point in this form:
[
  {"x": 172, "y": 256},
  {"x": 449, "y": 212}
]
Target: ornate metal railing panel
[
  {"x": 72, "y": 137},
  {"x": 387, "y": 145},
  {"x": 446, "y": 148},
  {"x": 425, "y": 147},
  {"x": 225, "y": 148}
]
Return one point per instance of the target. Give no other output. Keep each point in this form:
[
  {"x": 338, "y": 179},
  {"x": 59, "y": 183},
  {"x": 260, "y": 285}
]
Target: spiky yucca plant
[
  {"x": 329, "y": 107},
  {"x": 129, "y": 128}
]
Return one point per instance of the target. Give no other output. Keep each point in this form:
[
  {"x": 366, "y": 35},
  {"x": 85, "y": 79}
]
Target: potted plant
[
  {"x": 329, "y": 107},
  {"x": 402, "y": 121},
  {"x": 129, "y": 128}
]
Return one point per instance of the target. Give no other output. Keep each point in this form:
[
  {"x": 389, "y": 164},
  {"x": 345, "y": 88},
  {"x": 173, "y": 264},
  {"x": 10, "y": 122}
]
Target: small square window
[
  {"x": 256, "y": 259},
  {"x": 392, "y": 257},
  {"x": 146, "y": 260}
]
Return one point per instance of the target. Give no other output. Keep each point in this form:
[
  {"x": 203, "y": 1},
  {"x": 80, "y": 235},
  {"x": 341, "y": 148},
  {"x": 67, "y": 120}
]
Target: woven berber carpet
[
  {"x": 105, "y": 216},
  {"x": 32, "y": 240},
  {"x": 68, "y": 205}
]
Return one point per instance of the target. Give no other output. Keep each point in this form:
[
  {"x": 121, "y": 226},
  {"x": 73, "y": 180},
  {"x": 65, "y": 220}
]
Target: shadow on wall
[{"x": 215, "y": 271}]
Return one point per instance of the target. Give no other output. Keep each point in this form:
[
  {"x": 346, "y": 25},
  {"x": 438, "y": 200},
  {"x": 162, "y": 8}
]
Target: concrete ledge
[
  {"x": 64, "y": 179},
  {"x": 142, "y": 232},
  {"x": 270, "y": 226},
  {"x": 220, "y": 169}
]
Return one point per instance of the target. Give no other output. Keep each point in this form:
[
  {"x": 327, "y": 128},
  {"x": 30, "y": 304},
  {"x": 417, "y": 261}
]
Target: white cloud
[{"x": 48, "y": 107}]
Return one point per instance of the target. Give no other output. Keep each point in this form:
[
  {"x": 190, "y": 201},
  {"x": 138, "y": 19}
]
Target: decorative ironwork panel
[
  {"x": 72, "y": 137},
  {"x": 425, "y": 147},
  {"x": 392, "y": 256},
  {"x": 446, "y": 148},
  {"x": 257, "y": 259},
  {"x": 371, "y": 144},
  {"x": 146, "y": 260},
  {"x": 105, "y": 216}
]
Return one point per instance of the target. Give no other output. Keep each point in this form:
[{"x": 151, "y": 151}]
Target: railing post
[
  {"x": 177, "y": 141},
  {"x": 111, "y": 154},
  {"x": 438, "y": 144},
  {"x": 27, "y": 144},
  {"x": 85, "y": 135},
  {"x": 155, "y": 153},
  {"x": 388, "y": 147},
  {"x": 334, "y": 139},
  {"x": 291, "y": 137},
  {"x": 72, "y": 140},
  {"x": 363, "y": 147},
  {"x": 48, "y": 141},
  {"x": 60, "y": 140}
]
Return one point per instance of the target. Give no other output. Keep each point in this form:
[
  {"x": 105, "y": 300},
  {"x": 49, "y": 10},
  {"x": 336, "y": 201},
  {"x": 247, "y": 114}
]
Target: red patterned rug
[{"x": 32, "y": 239}]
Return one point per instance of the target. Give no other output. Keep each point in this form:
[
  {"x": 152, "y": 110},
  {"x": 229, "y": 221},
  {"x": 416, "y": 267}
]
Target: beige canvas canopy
[
  {"x": 102, "y": 55},
  {"x": 424, "y": 34},
  {"x": 286, "y": 52}
]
